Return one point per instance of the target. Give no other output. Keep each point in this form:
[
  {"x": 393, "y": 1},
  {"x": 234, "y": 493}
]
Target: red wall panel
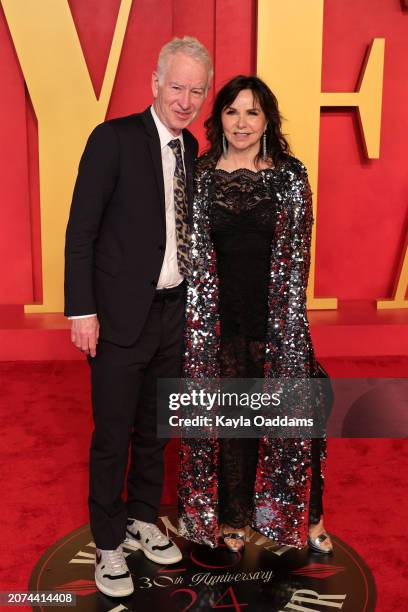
[
  {"x": 95, "y": 24},
  {"x": 197, "y": 18},
  {"x": 149, "y": 27},
  {"x": 16, "y": 285}
]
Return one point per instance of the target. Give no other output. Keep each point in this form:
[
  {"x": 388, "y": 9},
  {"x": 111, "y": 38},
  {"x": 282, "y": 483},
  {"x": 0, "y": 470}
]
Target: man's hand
[{"x": 85, "y": 334}]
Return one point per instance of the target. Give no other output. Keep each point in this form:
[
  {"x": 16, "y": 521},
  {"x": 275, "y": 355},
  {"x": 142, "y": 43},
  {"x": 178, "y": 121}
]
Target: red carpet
[{"x": 46, "y": 424}]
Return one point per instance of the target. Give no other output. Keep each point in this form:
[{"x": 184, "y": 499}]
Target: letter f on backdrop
[
  {"x": 67, "y": 109},
  {"x": 289, "y": 59}
]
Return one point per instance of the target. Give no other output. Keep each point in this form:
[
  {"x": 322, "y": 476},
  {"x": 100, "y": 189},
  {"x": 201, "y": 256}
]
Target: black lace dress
[
  {"x": 242, "y": 227},
  {"x": 242, "y": 222}
]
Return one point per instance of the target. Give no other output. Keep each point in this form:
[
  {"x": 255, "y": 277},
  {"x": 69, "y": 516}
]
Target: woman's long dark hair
[{"x": 276, "y": 144}]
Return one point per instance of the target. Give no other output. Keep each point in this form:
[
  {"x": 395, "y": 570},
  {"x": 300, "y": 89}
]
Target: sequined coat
[{"x": 283, "y": 475}]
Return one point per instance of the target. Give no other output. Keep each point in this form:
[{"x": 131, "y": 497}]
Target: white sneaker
[
  {"x": 155, "y": 545},
  {"x": 112, "y": 576}
]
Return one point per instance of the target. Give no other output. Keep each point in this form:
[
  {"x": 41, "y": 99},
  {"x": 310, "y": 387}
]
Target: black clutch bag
[{"x": 326, "y": 388}]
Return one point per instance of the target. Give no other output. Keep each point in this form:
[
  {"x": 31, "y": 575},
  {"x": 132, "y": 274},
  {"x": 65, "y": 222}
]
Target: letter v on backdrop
[{"x": 67, "y": 109}]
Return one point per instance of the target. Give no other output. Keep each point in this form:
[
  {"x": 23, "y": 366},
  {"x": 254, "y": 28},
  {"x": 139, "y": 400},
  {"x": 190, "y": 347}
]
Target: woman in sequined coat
[{"x": 246, "y": 317}]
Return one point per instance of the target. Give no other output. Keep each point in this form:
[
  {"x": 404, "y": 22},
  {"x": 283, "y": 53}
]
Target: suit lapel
[{"x": 155, "y": 151}]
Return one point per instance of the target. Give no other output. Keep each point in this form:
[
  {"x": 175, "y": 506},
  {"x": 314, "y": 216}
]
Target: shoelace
[
  {"x": 117, "y": 562},
  {"x": 152, "y": 531}
]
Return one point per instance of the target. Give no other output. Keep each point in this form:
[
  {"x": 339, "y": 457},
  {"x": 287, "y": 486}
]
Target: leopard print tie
[{"x": 180, "y": 207}]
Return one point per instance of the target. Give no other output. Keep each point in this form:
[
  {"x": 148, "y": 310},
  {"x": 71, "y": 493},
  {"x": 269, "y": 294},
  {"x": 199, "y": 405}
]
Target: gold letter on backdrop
[
  {"x": 290, "y": 39},
  {"x": 67, "y": 109},
  {"x": 398, "y": 300}
]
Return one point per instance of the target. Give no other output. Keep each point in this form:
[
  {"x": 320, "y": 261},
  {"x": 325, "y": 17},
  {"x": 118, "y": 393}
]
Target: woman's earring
[
  {"x": 224, "y": 146},
  {"x": 264, "y": 151}
]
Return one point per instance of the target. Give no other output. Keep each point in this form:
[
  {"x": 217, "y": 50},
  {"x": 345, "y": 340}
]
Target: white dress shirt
[{"x": 169, "y": 274}]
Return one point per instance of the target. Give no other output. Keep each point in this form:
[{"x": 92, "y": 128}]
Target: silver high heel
[
  {"x": 238, "y": 536},
  {"x": 315, "y": 544}
]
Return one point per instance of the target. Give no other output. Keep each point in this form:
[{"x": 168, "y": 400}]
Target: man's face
[{"x": 180, "y": 93}]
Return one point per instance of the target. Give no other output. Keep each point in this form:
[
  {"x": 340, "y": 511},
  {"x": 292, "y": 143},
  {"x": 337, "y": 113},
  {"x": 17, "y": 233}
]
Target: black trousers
[{"x": 124, "y": 391}]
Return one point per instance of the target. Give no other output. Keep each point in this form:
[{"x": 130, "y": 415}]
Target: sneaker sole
[
  {"x": 136, "y": 546},
  {"x": 118, "y": 593}
]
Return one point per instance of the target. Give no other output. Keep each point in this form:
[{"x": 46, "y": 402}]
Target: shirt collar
[{"x": 164, "y": 134}]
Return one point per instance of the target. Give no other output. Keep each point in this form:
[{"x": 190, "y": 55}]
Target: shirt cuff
[{"x": 82, "y": 316}]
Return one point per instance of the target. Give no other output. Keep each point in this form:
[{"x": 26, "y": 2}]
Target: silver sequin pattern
[{"x": 283, "y": 477}]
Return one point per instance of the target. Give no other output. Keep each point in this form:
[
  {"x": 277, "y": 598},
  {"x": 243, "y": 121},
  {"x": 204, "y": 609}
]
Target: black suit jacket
[{"x": 116, "y": 234}]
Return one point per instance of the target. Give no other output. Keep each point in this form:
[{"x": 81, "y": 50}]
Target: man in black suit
[{"x": 126, "y": 262}]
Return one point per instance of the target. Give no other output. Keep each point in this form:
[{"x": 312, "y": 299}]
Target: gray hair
[{"x": 189, "y": 46}]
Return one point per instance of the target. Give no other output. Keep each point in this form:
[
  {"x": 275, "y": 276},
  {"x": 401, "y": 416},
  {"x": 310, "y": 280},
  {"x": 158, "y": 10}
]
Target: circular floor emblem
[{"x": 263, "y": 579}]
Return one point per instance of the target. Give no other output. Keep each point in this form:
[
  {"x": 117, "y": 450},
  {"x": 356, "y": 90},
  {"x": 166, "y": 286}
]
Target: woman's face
[{"x": 244, "y": 122}]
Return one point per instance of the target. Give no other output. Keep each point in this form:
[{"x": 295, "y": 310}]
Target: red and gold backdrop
[{"x": 66, "y": 64}]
